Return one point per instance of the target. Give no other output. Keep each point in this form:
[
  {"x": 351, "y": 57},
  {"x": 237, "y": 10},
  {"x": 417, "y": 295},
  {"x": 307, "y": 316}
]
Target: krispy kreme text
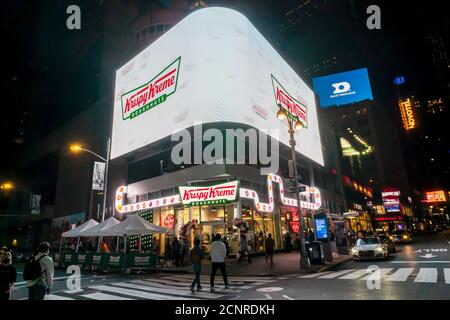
[
  {"x": 294, "y": 107},
  {"x": 221, "y": 193},
  {"x": 145, "y": 97}
]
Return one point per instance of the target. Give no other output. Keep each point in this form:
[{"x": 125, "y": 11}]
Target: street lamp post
[
  {"x": 296, "y": 125},
  {"x": 108, "y": 154}
]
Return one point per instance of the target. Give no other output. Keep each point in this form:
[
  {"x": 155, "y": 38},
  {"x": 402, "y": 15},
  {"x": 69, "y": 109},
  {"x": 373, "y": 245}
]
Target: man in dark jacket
[
  {"x": 176, "y": 250},
  {"x": 8, "y": 276}
]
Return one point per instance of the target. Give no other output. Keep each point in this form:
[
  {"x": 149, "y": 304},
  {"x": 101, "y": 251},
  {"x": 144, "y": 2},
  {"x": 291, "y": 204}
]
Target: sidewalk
[{"x": 284, "y": 263}]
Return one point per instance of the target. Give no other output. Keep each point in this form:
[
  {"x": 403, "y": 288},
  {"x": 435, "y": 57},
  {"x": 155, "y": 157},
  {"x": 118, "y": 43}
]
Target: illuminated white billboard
[{"x": 213, "y": 66}]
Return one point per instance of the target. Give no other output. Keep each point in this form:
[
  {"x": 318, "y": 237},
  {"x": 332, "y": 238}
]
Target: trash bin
[{"x": 315, "y": 253}]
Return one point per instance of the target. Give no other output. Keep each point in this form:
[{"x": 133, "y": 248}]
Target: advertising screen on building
[
  {"x": 213, "y": 66},
  {"x": 391, "y": 199},
  {"x": 343, "y": 88},
  {"x": 321, "y": 229}
]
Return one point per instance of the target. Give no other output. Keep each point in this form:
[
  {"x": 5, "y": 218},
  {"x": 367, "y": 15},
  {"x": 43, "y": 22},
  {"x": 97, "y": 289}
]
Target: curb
[{"x": 335, "y": 264}]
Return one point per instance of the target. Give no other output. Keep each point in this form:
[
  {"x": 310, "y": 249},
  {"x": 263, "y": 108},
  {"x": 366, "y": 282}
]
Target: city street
[{"x": 419, "y": 270}]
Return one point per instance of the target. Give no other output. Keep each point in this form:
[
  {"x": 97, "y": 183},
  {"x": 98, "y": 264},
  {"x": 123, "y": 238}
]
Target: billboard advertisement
[
  {"x": 343, "y": 88},
  {"x": 213, "y": 66},
  {"x": 391, "y": 199}
]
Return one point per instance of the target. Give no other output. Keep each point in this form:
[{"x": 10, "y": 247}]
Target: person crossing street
[{"x": 218, "y": 254}]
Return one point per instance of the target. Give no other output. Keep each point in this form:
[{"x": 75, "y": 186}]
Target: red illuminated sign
[{"x": 169, "y": 221}]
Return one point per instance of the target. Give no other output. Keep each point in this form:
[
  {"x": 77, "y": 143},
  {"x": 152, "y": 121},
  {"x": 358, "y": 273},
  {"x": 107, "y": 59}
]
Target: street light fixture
[
  {"x": 77, "y": 148},
  {"x": 295, "y": 124},
  {"x": 7, "y": 186}
]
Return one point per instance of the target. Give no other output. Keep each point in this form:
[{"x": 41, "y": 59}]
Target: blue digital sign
[
  {"x": 321, "y": 229},
  {"x": 343, "y": 88},
  {"x": 399, "y": 80}
]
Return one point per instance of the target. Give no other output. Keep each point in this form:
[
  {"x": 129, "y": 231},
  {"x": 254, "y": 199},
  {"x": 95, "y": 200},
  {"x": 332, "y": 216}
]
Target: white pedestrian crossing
[
  {"x": 447, "y": 275},
  {"x": 383, "y": 272},
  {"x": 422, "y": 275},
  {"x": 173, "y": 287},
  {"x": 401, "y": 274},
  {"x": 427, "y": 275},
  {"x": 103, "y": 296},
  {"x": 138, "y": 294},
  {"x": 336, "y": 274}
]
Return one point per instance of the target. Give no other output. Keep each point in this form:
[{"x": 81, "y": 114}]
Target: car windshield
[
  {"x": 382, "y": 237},
  {"x": 399, "y": 232},
  {"x": 365, "y": 241}
]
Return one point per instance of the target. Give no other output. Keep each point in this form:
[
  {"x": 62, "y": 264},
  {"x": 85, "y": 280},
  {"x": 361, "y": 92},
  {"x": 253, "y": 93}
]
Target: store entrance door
[{"x": 207, "y": 232}]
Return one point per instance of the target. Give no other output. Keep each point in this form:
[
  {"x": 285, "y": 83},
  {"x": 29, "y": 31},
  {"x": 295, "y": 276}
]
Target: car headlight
[
  {"x": 405, "y": 237},
  {"x": 391, "y": 237},
  {"x": 354, "y": 251},
  {"x": 379, "y": 249}
]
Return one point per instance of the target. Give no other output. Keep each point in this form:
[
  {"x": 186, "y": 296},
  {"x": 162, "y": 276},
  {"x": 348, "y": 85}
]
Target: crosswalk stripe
[
  {"x": 103, "y": 296},
  {"x": 355, "y": 275},
  {"x": 336, "y": 274},
  {"x": 447, "y": 275},
  {"x": 401, "y": 274},
  {"x": 383, "y": 272},
  {"x": 203, "y": 279},
  {"x": 234, "y": 279},
  {"x": 204, "y": 285},
  {"x": 178, "y": 292},
  {"x": 56, "y": 297},
  {"x": 428, "y": 275},
  {"x": 204, "y": 282},
  {"x": 314, "y": 275},
  {"x": 136, "y": 293}
]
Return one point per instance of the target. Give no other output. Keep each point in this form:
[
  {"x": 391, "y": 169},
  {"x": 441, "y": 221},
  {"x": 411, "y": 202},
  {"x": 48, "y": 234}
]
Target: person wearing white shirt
[{"x": 218, "y": 254}]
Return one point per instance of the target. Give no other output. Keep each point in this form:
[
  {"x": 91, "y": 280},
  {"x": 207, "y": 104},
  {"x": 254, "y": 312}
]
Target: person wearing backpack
[
  {"x": 8, "y": 276},
  {"x": 195, "y": 256},
  {"x": 39, "y": 272}
]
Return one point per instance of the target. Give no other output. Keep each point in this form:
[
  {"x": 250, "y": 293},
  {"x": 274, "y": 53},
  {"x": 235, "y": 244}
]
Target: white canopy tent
[
  {"x": 96, "y": 230},
  {"x": 132, "y": 226},
  {"x": 76, "y": 232}
]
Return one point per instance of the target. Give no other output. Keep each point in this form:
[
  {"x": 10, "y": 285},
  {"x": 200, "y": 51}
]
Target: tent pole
[
  {"x": 125, "y": 244},
  {"x": 100, "y": 239},
  {"x": 60, "y": 244},
  {"x": 118, "y": 242},
  {"x": 140, "y": 244},
  {"x": 78, "y": 244}
]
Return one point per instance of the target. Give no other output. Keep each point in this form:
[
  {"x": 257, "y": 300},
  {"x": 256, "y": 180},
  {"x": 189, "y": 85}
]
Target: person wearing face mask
[{"x": 8, "y": 276}]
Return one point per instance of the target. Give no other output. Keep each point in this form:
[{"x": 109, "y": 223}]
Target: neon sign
[
  {"x": 435, "y": 196},
  {"x": 244, "y": 193},
  {"x": 409, "y": 121}
]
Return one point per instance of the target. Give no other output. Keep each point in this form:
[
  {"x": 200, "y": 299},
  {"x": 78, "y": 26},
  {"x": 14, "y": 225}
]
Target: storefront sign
[
  {"x": 388, "y": 218},
  {"x": 295, "y": 226},
  {"x": 217, "y": 194},
  {"x": 149, "y": 95},
  {"x": 294, "y": 108}
]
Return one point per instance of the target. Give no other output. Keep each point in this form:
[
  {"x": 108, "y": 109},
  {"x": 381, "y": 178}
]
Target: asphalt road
[{"x": 420, "y": 270}]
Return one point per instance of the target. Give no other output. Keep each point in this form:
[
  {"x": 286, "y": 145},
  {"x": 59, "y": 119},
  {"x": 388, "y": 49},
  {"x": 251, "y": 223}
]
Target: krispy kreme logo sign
[
  {"x": 216, "y": 194},
  {"x": 154, "y": 92},
  {"x": 294, "y": 108}
]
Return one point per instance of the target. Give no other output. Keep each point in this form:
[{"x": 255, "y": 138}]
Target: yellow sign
[{"x": 406, "y": 110}]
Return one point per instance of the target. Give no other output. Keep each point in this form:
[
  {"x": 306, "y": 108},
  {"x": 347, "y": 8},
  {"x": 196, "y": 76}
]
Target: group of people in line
[{"x": 38, "y": 273}]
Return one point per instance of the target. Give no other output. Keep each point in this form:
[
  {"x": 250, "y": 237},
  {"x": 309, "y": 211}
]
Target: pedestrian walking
[
  {"x": 176, "y": 248},
  {"x": 185, "y": 251},
  {"x": 288, "y": 243},
  {"x": 243, "y": 249},
  {"x": 39, "y": 272},
  {"x": 8, "y": 276},
  {"x": 269, "y": 245},
  {"x": 195, "y": 256},
  {"x": 218, "y": 253}
]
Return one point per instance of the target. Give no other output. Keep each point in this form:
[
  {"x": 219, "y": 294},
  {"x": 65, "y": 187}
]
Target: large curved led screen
[{"x": 213, "y": 66}]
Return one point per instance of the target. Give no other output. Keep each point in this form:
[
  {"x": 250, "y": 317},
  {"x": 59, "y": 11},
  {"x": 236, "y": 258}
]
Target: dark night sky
[{"x": 54, "y": 71}]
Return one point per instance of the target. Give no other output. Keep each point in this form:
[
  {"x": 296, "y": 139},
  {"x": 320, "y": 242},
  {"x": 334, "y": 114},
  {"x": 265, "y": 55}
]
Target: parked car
[
  {"x": 401, "y": 236},
  {"x": 369, "y": 248},
  {"x": 388, "y": 242}
]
